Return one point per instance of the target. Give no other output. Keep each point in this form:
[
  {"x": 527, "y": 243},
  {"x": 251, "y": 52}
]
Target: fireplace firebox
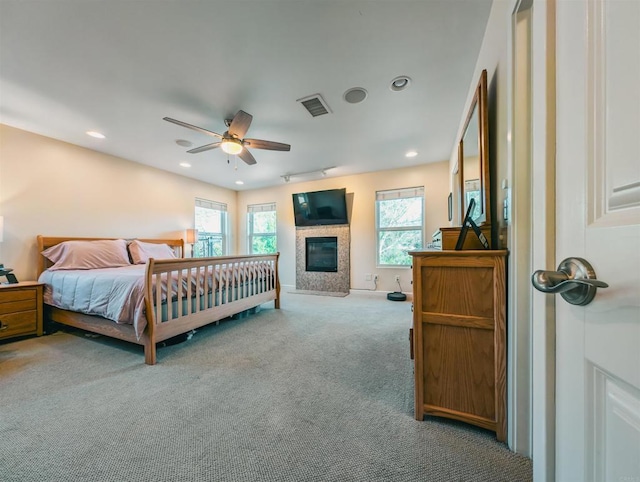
[{"x": 322, "y": 254}]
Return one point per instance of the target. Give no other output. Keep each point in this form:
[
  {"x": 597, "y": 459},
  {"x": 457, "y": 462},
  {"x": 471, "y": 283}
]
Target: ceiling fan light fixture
[{"x": 231, "y": 146}]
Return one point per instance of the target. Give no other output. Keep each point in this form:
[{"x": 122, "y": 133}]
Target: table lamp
[{"x": 192, "y": 238}]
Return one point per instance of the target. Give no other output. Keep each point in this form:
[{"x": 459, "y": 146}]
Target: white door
[{"x": 598, "y": 218}]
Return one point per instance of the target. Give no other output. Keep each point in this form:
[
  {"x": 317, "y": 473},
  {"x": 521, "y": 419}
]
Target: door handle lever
[
  {"x": 575, "y": 280},
  {"x": 559, "y": 282}
]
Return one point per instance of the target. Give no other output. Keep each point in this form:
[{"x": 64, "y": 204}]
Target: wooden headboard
[{"x": 45, "y": 242}]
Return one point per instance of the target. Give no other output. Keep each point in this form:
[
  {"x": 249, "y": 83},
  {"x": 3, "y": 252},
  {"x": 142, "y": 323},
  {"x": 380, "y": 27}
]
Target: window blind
[
  {"x": 261, "y": 208},
  {"x": 400, "y": 193},
  {"x": 204, "y": 203}
]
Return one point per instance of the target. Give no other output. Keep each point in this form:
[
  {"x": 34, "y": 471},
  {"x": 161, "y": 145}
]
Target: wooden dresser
[
  {"x": 20, "y": 309},
  {"x": 458, "y": 336}
]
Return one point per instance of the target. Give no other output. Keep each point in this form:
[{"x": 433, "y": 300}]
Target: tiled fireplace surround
[{"x": 321, "y": 281}]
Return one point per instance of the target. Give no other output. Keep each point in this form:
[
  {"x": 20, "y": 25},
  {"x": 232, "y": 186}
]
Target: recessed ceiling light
[
  {"x": 184, "y": 142},
  {"x": 411, "y": 154},
  {"x": 400, "y": 83},
  {"x": 95, "y": 134},
  {"x": 185, "y": 164},
  {"x": 239, "y": 183}
]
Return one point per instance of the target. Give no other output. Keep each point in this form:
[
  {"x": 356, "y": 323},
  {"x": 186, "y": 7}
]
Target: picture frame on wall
[{"x": 450, "y": 206}]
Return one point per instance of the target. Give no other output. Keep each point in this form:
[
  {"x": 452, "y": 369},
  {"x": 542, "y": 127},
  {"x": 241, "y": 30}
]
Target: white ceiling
[{"x": 119, "y": 67}]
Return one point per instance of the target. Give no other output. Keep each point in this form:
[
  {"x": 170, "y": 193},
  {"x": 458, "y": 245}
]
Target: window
[
  {"x": 399, "y": 225},
  {"x": 472, "y": 191},
  {"x": 211, "y": 223},
  {"x": 261, "y": 228}
]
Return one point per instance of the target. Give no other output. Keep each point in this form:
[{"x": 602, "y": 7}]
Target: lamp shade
[{"x": 192, "y": 236}]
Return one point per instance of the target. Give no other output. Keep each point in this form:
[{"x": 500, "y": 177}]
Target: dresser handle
[{"x": 3, "y": 326}]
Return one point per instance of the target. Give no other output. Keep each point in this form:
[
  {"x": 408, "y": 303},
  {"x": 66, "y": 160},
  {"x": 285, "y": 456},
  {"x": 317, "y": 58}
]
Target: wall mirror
[{"x": 473, "y": 158}]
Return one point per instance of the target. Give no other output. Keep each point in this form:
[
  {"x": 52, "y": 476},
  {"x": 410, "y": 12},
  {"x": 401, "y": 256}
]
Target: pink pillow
[
  {"x": 141, "y": 251},
  {"x": 105, "y": 253}
]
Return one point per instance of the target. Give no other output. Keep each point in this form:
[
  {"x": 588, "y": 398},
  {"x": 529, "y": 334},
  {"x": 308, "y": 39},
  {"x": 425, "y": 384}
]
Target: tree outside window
[
  {"x": 399, "y": 225},
  {"x": 261, "y": 229}
]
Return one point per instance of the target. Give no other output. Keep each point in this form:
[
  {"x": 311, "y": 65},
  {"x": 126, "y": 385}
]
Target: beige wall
[
  {"x": 361, "y": 190},
  {"x": 58, "y": 189}
]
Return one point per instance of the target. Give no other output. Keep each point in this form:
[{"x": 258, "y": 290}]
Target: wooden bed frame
[{"x": 203, "y": 308}]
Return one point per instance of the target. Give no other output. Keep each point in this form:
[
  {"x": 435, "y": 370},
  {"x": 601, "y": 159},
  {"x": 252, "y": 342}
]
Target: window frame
[
  {"x": 395, "y": 194},
  {"x": 204, "y": 236},
  {"x": 251, "y": 234}
]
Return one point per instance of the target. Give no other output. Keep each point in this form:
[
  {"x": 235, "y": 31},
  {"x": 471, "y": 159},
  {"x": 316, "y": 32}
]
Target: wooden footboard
[
  {"x": 204, "y": 290},
  {"x": 200, "y": 291}
]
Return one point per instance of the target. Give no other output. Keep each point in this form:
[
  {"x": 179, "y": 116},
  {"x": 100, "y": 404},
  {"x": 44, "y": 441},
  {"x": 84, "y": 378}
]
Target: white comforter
[
  {"x": 118, "y": 293},
  {"x": 113, "y": 293}
]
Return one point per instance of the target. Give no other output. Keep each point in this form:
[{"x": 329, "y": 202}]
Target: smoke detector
[{"x": 355, "y": 95}]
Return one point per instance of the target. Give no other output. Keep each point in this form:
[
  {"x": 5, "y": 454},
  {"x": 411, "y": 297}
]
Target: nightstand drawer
[
  {"x": 22, "y": 322},
  {"x": 18, "y": 300}
]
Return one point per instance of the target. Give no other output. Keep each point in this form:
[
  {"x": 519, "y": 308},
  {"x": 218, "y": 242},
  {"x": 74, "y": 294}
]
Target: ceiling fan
[{"x": 232, "y": 141}]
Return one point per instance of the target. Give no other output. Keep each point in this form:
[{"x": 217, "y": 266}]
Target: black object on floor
[{"x": 396, "y": 296}]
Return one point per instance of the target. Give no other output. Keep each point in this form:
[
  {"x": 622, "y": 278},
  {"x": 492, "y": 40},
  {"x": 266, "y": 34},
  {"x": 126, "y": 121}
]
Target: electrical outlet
[
  {"x": 367, "y": 277},
  {"x": 397, "y": 278},
  {"x": 375, "y": 277}
]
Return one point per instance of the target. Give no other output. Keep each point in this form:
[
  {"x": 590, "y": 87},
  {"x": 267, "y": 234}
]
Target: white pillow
[
  {"x": 104, "y": 253},
  {"x": 141, "y": 251}
]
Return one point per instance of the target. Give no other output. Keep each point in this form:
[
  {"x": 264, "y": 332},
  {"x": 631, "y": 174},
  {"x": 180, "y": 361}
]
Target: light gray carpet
[
  {"x": 318, "y": 293},
  {"x": 321, "y": 390}
]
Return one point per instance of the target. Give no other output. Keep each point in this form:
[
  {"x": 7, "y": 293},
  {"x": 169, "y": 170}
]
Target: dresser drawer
[
  {"x": 17, "y": 300},
  {"x": 19, "y": 323}
]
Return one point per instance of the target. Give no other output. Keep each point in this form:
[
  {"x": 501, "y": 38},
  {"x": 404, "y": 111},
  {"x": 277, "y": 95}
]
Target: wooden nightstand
[{"x": 20, "y": 309}]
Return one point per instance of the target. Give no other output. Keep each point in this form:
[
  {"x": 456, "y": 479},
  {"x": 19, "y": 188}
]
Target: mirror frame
[{"x": 479, "y": 101}]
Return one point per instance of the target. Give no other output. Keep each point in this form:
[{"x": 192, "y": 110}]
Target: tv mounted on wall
[{"x": 320, "y": 208}]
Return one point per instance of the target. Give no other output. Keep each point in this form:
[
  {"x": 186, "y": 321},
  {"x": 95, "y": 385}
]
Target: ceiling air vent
[{"x": 315, "y": 104}]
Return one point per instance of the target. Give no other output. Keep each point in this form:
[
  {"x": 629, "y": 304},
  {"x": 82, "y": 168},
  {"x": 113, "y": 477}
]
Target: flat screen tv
[{"x": 319, "y": 208}]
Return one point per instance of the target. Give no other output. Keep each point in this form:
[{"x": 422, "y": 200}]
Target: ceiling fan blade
[
  {"x": 240, "y": 124},
  {"x": 208, "y": 147},
  {"x": 247, "y": 157},
  {"x": 195, "y": 128},
  {"x": 273, "y": 146}
]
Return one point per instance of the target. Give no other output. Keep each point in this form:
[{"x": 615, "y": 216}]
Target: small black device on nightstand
[{"x": 7, "y": 272}]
